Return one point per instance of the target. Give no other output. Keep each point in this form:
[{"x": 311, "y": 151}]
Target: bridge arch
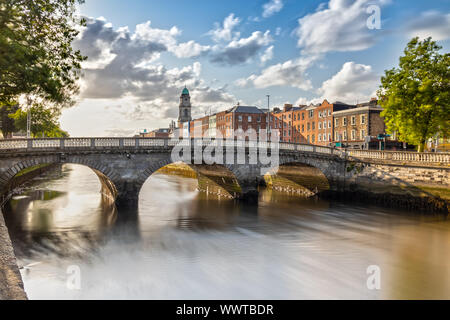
[
  {"x": 105, "y": 174},
  {"x": 223, "y": 176}
]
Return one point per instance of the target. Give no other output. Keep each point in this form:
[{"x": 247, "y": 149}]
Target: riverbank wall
[
  {"x": 11, "y": 284},
  {"x": 423, "y": 190}
]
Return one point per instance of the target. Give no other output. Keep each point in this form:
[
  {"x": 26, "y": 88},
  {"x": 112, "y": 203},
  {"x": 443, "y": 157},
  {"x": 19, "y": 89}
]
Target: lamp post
[
  {"x": 29, "y": 118},
  {"x": 268, "y": 116}
]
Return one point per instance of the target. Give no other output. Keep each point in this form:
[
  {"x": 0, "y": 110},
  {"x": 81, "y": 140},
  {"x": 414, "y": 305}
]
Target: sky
[{"x": 141, "y": 54}]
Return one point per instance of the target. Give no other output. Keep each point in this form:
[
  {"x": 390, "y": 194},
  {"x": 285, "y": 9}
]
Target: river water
[{"x": 183, "y": 244}]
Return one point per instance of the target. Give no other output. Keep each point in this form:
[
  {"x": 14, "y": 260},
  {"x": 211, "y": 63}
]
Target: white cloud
[
  {"x": 354, "y": 82},
  {"x": 225, "y": 32},
  {"x": 341, "y": 26},
  {"x": 272, "y": 7},
  {"x": 267, "y": 55},
  {"x": 189, "y": 49},
  {"x": 165, "y": 37},
  {"x": 132, "y": 75},
  {"x": 430, "y": 24},
  {"x": 242, "y": 50},
  {"x": 290, "y": 73}
]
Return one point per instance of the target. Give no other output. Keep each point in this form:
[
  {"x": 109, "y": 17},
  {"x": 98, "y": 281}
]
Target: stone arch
[
  {"x": 241, "y": 187},
  {"x": 104, "y": 174},
  {"x": 324, "y": 167}
]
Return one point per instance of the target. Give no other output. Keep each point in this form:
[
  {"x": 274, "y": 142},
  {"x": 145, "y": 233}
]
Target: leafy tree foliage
[
  {"x": 416, "y": 95},
  {"x": 44, "y": 123},
  {"x": 36, "y": 57},
  {"x": 6, "y": 122}
]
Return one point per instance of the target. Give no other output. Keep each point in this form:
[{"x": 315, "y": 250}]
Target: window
[
  {"x": 303, "y": 116},
  {"x": 344, "y": 135},
  {"x": 303, "y": 128},
  {"x": 313, "y": 138},
  {"x": 329, "y": 137},
  {"x": 290, "y": 116},
  {"x": 320, "y": 138},
  {"x": 324, "y": 124},
  {"x": 320, "y": 125},
  {"x": 363, "y": 134},
  {"x": 314, "y": 126},
  {"x": 353, "y": 134},
  {"x": 311, "y": 113},
  {"x": 259, "y": 119},
  {"x": 309, "y": 126},
  {"x": 344, "y": 121},
  {"x": 284, "y": 133},
  {"x": 329, "y": 124},
  {"x": 329, "y": 113},
  {"x": 240, "y": 118},
  {"x": 363, "y": 119},
  {"x": 320, "y": 114},
  {"x": 353, "y": 120},
  {"x": 336, "y": 122},
  {"x": 249, "y": 118}
]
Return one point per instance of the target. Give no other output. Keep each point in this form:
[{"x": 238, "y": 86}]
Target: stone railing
[
  {"x": 68, "y": 144},
  {"x": 400, "y": 156}
]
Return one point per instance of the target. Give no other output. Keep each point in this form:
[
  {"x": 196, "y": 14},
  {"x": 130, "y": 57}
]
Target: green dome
[{"x": 185, "y": 91}]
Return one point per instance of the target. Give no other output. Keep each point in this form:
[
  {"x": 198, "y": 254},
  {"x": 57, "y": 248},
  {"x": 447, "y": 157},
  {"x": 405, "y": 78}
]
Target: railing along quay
[{"x": 69, "y": 144}]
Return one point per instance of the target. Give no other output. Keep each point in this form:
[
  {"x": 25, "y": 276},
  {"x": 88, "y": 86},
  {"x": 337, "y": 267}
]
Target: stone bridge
[{"x": 124, "y": 164}]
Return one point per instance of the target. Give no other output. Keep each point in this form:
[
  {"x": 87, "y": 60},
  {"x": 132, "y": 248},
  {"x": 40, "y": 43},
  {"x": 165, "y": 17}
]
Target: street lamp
[{"x": 29, "y": 118}]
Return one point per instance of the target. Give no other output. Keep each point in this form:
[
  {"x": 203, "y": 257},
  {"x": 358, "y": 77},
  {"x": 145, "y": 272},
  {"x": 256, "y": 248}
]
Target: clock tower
[{"x": 185, "y": 107}]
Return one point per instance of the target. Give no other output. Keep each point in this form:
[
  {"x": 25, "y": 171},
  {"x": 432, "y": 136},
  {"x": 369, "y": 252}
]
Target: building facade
[{"x": 355, "y": 127}]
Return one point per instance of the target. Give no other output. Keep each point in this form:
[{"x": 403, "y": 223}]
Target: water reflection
[{"x": 185, "y": 244}]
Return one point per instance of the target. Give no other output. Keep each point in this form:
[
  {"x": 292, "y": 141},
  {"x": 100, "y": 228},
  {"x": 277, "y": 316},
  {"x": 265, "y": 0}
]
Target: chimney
[{"x": 287, "y": 107}]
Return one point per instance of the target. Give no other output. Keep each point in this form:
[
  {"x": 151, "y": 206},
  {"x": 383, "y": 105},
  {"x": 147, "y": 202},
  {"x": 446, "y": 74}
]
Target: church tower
[{"x": 185, "y": 107}]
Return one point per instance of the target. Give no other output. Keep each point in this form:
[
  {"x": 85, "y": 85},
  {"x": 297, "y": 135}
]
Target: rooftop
[{"x": 246, "y": 109}]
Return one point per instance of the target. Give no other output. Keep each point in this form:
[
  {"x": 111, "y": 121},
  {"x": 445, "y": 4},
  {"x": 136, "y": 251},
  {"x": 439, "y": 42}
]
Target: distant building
[
  {"x": 356, "y": 127},
  {"x": 158, "y": 133}
]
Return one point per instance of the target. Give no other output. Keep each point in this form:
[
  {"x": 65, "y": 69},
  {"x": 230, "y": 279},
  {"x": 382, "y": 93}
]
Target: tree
[
  {"x": 44, "y": 122},
  {"x": 416, "y": 96},
  {"x": 36, "y": 56},
  {"x": 6, "y": 122}
]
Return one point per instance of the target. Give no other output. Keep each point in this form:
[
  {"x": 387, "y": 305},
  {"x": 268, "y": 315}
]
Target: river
[{"x": 184, "y": 244}]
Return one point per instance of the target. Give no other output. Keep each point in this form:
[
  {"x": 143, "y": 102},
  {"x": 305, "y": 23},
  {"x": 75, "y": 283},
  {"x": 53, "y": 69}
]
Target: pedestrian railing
[{"x": 67, "y": 144}]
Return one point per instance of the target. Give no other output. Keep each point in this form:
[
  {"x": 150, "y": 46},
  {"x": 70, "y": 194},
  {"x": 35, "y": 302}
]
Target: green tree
[
  {"x": 43, "y": 124},
  {"x": 6, "y": 123},
  {"x": 416, "y": 95},
  {"x": 36, "y": 56}
]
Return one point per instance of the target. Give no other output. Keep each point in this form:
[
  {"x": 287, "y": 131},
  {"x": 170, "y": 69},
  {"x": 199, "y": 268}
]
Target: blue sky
[{"x": 142, "y": 52}]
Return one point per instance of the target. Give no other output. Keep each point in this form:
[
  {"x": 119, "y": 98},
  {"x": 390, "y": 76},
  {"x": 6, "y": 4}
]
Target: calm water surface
[{"x": 183, "y": 244}]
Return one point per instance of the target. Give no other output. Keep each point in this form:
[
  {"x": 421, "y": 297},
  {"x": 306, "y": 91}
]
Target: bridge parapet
[
  {"x": 111, "y": 144},
  {"x": 400, "y": 156}
]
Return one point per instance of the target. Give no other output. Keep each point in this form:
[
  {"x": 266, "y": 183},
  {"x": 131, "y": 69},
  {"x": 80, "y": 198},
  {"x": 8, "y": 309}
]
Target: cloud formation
[
  {"x": 242, "y": 50},
  {"x": 225, "y": 31},
  {"x": 290, "y": 73},
  {"x": 430, "y": 24},
  {"x": 354, "y": 82},
  {"x": 272, "y": 7},
  {"x": 340, "y": 26},
  {"x": 131, "y": 70}
]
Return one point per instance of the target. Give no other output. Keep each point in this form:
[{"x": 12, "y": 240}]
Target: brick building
[{"x": 353, "y": 126}]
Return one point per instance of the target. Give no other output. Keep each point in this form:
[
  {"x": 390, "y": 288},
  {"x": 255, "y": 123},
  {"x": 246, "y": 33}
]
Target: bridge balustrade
[{"x": 103, "y": 143}]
